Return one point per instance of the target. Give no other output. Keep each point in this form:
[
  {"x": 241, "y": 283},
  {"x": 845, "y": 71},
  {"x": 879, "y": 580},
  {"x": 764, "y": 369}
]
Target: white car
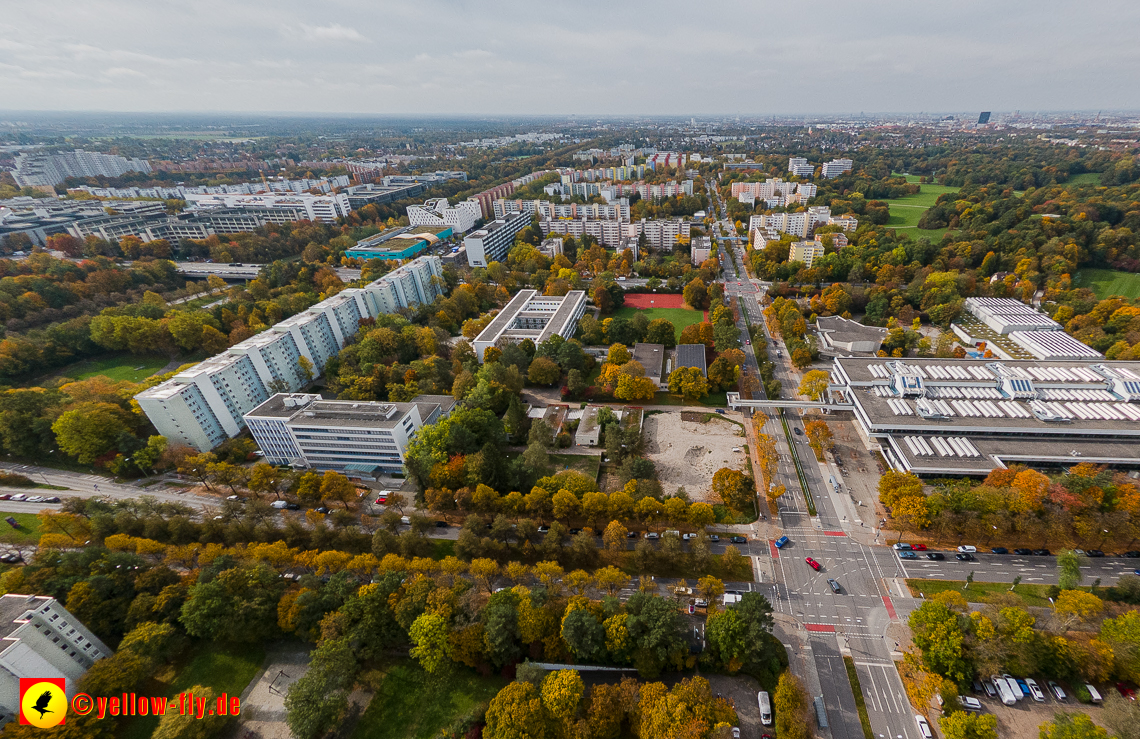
[
  {"x": 923, "y": 727},
  {"x": 967, "y": 549},
  {"x": 18, "y": 496},
  {"x": 970, "y": 704},
  {"x": 1035, "y": 690},
  {"x": 688, "y": 537}
]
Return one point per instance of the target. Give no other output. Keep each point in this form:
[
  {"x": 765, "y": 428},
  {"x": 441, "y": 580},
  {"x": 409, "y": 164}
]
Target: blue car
[
  {"x": 781, "y": 542},
  {"x": 908, "y": 555},
  {"x": 1024, "y": 686}
]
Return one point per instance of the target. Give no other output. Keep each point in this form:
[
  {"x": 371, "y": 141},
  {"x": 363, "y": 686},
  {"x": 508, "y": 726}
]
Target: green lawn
[
  {"x": 1087, "y": 178},
  {"x": 719, "y": 400},
  {"x": 587, "y": 464},
  {"x": 981, "y": 592},
  {"x": 227, "y": 668},
  {"x": 28, "y": 531},
  {"x": 410, "y": 704},
  {"x": 679, "y": 317},
  {"x": 906, "y": 211},
  {"x": 1107, "y": 282},
  {"x": 118, "y": 368}
]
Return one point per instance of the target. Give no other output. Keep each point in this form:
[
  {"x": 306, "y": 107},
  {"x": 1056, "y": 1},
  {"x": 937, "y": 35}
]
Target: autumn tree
[
  {"x": 516, "y": 712},
  {"x": 966, "y": 725},
  {"x": 689, "y": 383},
  {"x": 814, "y": 384},
  {"x": 337, "y": 487},
  {"x": 790, "y": 704},
  {"x": 732, "y": 487},
  {"x": 1072, "y": 726},
  {"x": 429, "y": 634},
  {"x": 819, "y": 437}
]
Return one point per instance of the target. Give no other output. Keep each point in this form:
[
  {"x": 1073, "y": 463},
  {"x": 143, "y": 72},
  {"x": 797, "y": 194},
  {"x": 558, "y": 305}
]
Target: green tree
[
  {"x": 1069, "y": 565},
  {"x": 1122, "y": 716},
  {"x": 1123, "y": 635},
  {"x": 90, "y": 430},
  {"x": 938, "y": 633},
  {"x": 790, "y": 704},
  {"x": 240, "y": 604},
  {"x": 319, "y": 697},
  {"x": 661, "y": 331},
  {"x": 429, "y": 633},
  {"x": 583, "y": 634},
  {"x": 1072, "y": 726},
  {"x": 965, "y": 725},
  {"x": 516, "y": 712},
  {"x": 177, "y": 725},
  {"x": 544, "y": 371},
  {"x": 501, "y": 627}
]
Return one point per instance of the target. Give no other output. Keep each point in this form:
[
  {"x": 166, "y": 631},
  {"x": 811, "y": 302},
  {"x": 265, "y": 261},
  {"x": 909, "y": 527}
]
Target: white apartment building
[
  {"x": 551, "y": 247},
  {"x": 325, "y": 208},
  {"x": 774, "y": 187},
  {"x": 437, "y": 212},
  {"x": 610, "y": 234},
  {"x": 38, "y": 169},
  {"x": 41, "y": 639},
  {"x": 702, "y": 249},
  {"x": 836, "y": 167},
  {"x": 806, "y": 252},
  {"x": 358, "y": 438},
  {"x": 800, "y": 167},
  {"x": 492, "y": 242},
  {"x": 204, "y": 405},
  {"x": 661, "y": 234},
  {"x": 803, "y": 223},
  {"x": 618, "y": 211},
  {"x": 535, "y": 317}
]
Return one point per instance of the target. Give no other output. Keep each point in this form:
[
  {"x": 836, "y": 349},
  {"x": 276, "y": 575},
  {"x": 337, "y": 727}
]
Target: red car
[
  {"x": 812, "y": 563},
  {"x": 1126, "y": 691},
  {"x": 382, "y": 500},
  {"x": 918, "y": 547}
]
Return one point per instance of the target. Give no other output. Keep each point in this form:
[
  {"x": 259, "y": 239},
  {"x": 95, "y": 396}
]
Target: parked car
[
  {"x": 278, "y": 504},
  {"x": 907, "y": 554},
  {"x": 901, "y": 547},
  {"x": 977, "y": 686},
  {"x": 935, "y": 555},
  {"x": 834, "y": 585},
  {"x": 1035, "y": 690},
  {"x": 5, "y": 496},
  {"x": 991, "y": 691},
  {"x": 1024, "y": 686},
  {"x": 572, "y": 531},
  {"x": 812, "y": 563},
  {"x": 688, "y": 537},
  {"x": 738, "y": 540},
  {"x": 1058, "y": 693},
  {"x": 51, "y": 499},
  {"x": 1022, "y": 551},
  {"x": 781, "y": 542},
  {"x": 292, "y": 507},
  {"x": 1094, "y": 694},
  {"x": 34, "y": 499},
  {"x": 1011, "y": 682},
  {"x": 445, "y": 524},
  {"x": 631, "y": 534},
  {"x": 967, "y": 549},
  {"x": 233, "y": 497},
  {"x": 1131, "y": 555},
  {"x": 18, "y": 496},
  {"x": 1126, "y": 691},
  {"x": 964, "y": 557},
  {"x": 970, "y": 704},
  {"x": 918, "y": 547},
  {"x": 1095, "y": 553},
  {"x": 653, "y": 535},
  {"x": 322, "y": 510},
  {"x": 923, "y": 727},
  {"x": 1005, "y": 690},
  {"x": 1000, "y": 550},
  {"x": 714, "y": 538},
  {"x": 1042, "y": 552}
]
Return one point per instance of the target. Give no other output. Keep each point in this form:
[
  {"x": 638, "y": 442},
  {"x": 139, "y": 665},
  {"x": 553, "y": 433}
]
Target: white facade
[
  {"x": 836, "y": 167},
  {"x": 800, "y": 167},
  {"x": 326, "y": 208},
  {"x": 205, "y": 404},
  {"x": 535, "y": 317},
  {"x": 37, "y": 169},
  {"x": 702, "y": 249},
  {"x": 41, "y": 639},
  {"x": 492, "y": 242},
  {"x": 437, "y": 212},
  {"x": 798, "y": 224}
]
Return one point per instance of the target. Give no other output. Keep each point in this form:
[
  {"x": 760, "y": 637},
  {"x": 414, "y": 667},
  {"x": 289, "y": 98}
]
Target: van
[
  {"x": 1013, "y": 686},
  {"x": 674, "y": 532},
  {"x": 1007, "y": 696},
  {"x": 765, "y": 708},
  {"x": 1094, "y": 694}
]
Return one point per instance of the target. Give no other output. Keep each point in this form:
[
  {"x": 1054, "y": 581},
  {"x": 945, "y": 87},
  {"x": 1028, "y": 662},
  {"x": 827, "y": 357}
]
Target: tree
[
  {"x": 544, "y": 371},
  {"x": 710, "y": 589},
  {"x": 1072, "y": 726},
  {"x": 618, "y": 355},
  {"x": 1122, "y": 716},
  {"x": 819, "y": 437},
  {"x": 305, "y": 368},
  {"x": 583, "y": 634},
  {"x": 1123, "y": 635},
  {"x": 701, "y": 515},
  {"x": 432, "y": 648},
  {"x": 814, "y": 384},
  {"x": 484, "y": 571},
  {"x": 696, "y": 294},
  {"x": 240, "y": 604},
  {"x": 912, "y": 513},
  {"x": 938, "y": 633},
  {"x": 790, "y": 704},
  {"x": 516, "y": 712},
  {"x": 732, "y": 487},
  {"x": 895, "y": 485},
  {"x": 177, "y": 725},
  {"x": 661, "y": 331},
  {"x": 335, "y": 486},
  {"x": 611, "y": 579},
  {"x": 689, "y": 383},
  {"x": 723, "y": 374},
  {"x": 631, "y": 389},
  {"x": 318, "y": 698},
  {"x": 90, "y": 430},
  {"x": 566, "y": 505},
  {"x": 1077, "y": 605},
  {"x": 1069, "y": 565},
  {"x": 561, "y": 695},
  {"x": 965, "y": 725},
  {"x": 266, "y": 479}
]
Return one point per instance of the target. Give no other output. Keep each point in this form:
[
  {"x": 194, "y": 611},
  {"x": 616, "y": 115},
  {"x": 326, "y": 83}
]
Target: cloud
[{"x": 334, "y": 32}]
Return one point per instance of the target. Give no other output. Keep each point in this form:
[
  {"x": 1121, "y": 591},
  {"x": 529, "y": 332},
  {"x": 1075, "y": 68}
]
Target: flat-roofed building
[
  {"x": 1005, "y": 315},
  {"x": 701, "y": 248},
  {"x": 652, "y": 358},
  {"x": 691, "y": 355},
  {"x": 843, "y": 334},
  {"x": 492, "y": 242},
  {"x": 532, "y": 316},
  {"x": 39, "y": 638},
  {"x": 438, "y": 213},
  {"x": 356, "y": 437},
  {"x": 806, "y": 252},
  {"x": 969, "y": 417},
  {"x": 399, "y": 243}
]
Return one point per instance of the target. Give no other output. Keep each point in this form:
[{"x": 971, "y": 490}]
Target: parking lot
[{"x": 1023, "y": 720}]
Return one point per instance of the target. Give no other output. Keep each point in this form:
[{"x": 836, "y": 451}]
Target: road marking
[
  {"x": 826, "y": 628},
  {"x": 890, "y": 607}
]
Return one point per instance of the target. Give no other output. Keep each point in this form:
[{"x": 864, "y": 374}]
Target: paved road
[
  {"x": 1004, "y": 567},
  {"x": 90, "y": 486}
]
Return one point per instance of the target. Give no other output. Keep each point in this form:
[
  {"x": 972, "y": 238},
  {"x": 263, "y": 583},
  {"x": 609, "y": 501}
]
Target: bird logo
[{"x": 43, "y": 703}]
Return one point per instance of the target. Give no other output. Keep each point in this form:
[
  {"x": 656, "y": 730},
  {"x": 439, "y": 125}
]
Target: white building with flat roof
[
  {"x": 836, "y": 167},
  {"x": 326, "y": 208},
  {"x": 532, "y": 316},
  {"x": 204, "y": 405},
  {"x": 492, "y": 242},
  {"x": 438, "y": 212},
  {"x": 39, "y": 638}
]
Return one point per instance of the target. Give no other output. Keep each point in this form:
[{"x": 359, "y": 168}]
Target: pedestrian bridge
[{"x": 735, "y": 402}]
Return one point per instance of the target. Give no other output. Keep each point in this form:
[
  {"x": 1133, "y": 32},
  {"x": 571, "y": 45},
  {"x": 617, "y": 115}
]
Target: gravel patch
[{"x": 688, "y": 453}]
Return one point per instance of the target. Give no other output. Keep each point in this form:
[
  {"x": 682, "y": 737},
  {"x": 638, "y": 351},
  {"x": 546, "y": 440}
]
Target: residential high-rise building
[
  {"x": 836, "y": 167},
  {"x": 204, "y": 405},
  {"x": 701, "y": 249},
  {"x": 41, "y": 639},
  {"x": 806, "y": 252},
  {"x": 492, "y": 242},
  {"x": 39, "y": 169},
  {"x": 800, "y": 167}
]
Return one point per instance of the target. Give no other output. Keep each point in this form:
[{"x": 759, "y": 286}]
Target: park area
[
  {"x": 128, "y": 367},
  {"x": 1107, "y": 282},
  {"x": 906, "y": 211},
  {"x": 671, "y": 307},
  {"x": 688, "y": 452}
]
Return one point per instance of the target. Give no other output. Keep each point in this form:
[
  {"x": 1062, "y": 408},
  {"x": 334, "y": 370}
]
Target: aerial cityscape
[{"x": 357, "y": 387}]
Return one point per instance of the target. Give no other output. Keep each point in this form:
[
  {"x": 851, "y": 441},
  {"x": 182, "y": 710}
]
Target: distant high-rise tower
[{"x": 984, "y": 118}]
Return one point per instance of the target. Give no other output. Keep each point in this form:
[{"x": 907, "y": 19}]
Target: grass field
[
  {"x": 410, "y": 704},
  {"x": 981, "y": 592},
  {"x": 1087, "y": 178},
  {"x": 679, "y": 317},
  {"x": 118, "y": 368},
  {"x": 907, "y": 211},
  {"x": 1106, "y": 282},
  {"x": 29, "y": 527},
  {"x": 227, "y": 668},
  {"x": 712, "y": 400},
  {"x": 587, "y": 464}
]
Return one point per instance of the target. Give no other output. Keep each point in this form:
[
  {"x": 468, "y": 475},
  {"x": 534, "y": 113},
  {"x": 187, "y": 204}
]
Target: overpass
[
  {"x": 202, "y": 270},
  {"x": 735, "y": 402}
]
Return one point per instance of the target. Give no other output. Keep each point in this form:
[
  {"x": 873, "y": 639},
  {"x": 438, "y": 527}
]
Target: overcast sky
[{"x": 461, "y": 57}]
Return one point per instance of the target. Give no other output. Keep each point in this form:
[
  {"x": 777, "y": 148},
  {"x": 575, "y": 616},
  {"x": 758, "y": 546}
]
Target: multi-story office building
[
  {"x": 205, "y": 404},
  {"x": 41, "y": 639},
  {"x": 799, "y": 167},
  {"x": 325, "y": 208},
  {"x": 492, "y": 242},
  {"x": 371, "y": 193},
  {"x": 437, "y": 212},
  {"x": 805, "y": 252},
  {"x": 836, "y": 167},
  {"x": 39, "y": 169},
  {"x": 358, "y": 438},
  {"x": 535, "y": 317}
]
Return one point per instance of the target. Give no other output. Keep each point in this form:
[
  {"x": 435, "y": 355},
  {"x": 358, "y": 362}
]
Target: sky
[{"x": 581, "y": 57}]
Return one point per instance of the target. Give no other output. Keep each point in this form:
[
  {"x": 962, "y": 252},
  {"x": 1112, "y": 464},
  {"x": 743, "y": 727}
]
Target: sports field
[
  {"x": 679, "y": 317},
  {"x": 1107, "y": 282},
  {"x": 654, "y": 300}
]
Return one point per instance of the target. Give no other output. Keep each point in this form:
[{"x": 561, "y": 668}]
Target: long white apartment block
[
  {"x": 438, "y": 212},
  {"x": 802, "y": 223},
  {"x": 535, "y": 317},
  {"x": 206, "y": 404},
  {"x": 41, "y": 639}
]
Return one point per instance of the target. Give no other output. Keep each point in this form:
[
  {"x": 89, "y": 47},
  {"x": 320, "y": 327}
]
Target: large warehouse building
[{"x": 968, "y": 417}]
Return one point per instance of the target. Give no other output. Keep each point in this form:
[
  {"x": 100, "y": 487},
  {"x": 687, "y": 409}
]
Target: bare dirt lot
[{"x": 688, "y": 452}]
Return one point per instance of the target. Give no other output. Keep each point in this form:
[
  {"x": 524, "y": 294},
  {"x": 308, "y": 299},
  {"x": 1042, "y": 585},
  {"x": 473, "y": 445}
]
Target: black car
[
  {"x": 1042, "y": 552},
  {"x": 543, "y": 529},
  {"x": 572, "y": 531},
  {"x": 322, "y": 510},
  {"x": 964, "y": 557},
  {"x": 1094, "y": 553},
  {"x": 738, "y": 540},
  {"x": 1022, "y": 550},
  {"x": 935, "y": 555},
  {"x": 1131, "y": 555},
  {"x": 631, "y": 535},
  {"x": 292, "y": 507},
  {"x": 1000, "y": 550},
  {"x": 799, "y": 431},
  {"x": 441, "y": 524}
]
